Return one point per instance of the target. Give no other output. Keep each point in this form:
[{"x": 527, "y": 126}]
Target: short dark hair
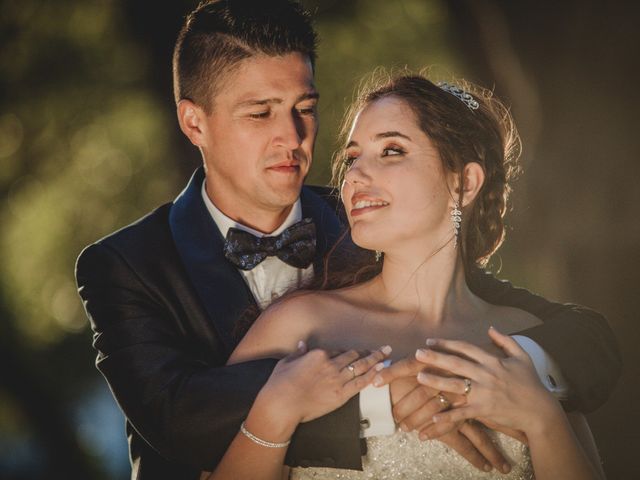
[{"x": 220, "y": 33}]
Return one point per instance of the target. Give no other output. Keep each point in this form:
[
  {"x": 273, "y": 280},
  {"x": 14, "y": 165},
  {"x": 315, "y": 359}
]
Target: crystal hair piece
[{"x": 468, "y": 100}]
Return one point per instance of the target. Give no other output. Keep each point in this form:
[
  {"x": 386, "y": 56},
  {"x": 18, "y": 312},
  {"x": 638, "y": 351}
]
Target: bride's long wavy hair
[{"x": 485, "y": 135}]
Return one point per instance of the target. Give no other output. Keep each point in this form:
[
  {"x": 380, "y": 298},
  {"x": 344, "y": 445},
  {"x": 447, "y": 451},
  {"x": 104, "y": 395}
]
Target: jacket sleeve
[
  {"x": 186, "y": 409},
  {"x": 577, "y": 338}
]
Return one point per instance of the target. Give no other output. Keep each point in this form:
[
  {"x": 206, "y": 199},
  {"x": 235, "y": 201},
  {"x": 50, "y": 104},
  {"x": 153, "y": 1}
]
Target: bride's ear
[{"x": 472, "y": 180}]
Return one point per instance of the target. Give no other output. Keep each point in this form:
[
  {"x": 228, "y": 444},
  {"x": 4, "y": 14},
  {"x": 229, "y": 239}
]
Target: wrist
[
  {"x": 271, "y": 418},
  {"x": 548, "y": 418}
]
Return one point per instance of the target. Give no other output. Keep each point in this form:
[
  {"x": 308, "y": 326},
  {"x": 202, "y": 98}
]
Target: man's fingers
[
  {"x": 455, "y": 415},
  {"x": 402, "y": 368},
  {"x": 423, "y": 414},
  {"x": 435, "y": 431},
  {"x": 517, "y": 434},
  {"x": 464, "y": 447},
  {"x": 411, "y": 402},
  {"x": 485, "y": 446}
]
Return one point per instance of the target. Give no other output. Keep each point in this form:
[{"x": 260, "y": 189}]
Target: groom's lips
[{"x": 286, "y": 167}]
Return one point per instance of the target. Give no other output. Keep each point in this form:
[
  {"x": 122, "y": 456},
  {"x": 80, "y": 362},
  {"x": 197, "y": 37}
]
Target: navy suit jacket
[{"x": 162, "y": 301}]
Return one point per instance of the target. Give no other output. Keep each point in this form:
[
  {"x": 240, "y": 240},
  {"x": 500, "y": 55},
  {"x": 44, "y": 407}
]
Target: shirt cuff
[
  {"x": 376, "y": 418},
  {"x": 546, "y": 368}
]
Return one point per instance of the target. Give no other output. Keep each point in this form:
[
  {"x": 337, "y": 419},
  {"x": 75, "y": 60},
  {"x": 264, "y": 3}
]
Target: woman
[{"x": 424, "y": 177}]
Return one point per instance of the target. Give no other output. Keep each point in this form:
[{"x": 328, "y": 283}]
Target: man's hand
[
  {"x": 473, "y": 443},
  {"x": 413, "y": 406}
]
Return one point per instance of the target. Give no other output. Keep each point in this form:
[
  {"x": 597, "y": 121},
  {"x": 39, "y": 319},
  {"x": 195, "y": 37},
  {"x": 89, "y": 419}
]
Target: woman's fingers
[
  {"x": 356, "y": 384},
  {"x": 363, "y": 364},
  {"x": 357, "y": 364},
  {"x": 452, "y": 363},
  {"x": 405, "y": 367},
  {"x": 506, "y": 343},
  {"x": 342, "y": 360},
  {"x": 443, "y": 384},
  {"x": 463, "y": 348},
  {"x": 368, "y": 365}
]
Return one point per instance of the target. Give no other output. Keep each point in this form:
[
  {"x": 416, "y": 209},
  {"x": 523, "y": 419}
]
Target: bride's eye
[
  {"x": 392, "y": 151},
  {"x": 348, "y": 160}
]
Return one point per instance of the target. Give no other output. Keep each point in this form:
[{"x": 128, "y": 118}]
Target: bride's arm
[
  {"x": 562, "y": 447},
  {"x": 247, "y": 459},
  {"x": 302, "y": 387},
  {"x": 508, "y": 392}
]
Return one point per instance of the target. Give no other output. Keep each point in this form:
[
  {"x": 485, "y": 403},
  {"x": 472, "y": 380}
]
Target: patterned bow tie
[{"x": 296, "y": 246}]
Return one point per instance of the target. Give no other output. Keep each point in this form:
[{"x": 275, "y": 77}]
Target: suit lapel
[
  {"x": 218, "y": 283},
  {"x": 328, "y": 226},
  {"x": 220, "y": 286}
]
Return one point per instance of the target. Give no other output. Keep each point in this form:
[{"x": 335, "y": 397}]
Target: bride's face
[{"x": 396, "y": 191}]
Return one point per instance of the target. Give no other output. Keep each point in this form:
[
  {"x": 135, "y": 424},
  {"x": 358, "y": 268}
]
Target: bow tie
[{"x": 296, "y": 246}]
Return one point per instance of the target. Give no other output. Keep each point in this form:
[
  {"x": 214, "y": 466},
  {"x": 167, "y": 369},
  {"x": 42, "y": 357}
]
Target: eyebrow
[
  {"x": 277, "y": 101},
  {"x": 382, "y": 135}
]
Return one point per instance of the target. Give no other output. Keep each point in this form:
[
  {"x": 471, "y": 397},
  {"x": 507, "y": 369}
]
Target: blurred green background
[{"x": 89, "y": 142}]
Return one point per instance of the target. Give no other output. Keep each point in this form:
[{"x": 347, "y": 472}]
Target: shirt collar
[{"x": 224, "y": 223}]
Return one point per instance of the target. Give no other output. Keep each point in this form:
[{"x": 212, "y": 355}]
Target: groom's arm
[
  {"x": 187, "y": 409},
  {"x": 577, "y": 338}
]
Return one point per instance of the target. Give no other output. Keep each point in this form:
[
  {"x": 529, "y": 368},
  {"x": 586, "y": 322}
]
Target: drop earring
[
  {"x": 456, "y": 219},
  {"x": 378, "y": 255}
]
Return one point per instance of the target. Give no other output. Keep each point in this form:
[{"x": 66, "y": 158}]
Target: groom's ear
[
  {"x": 472, "y": 181},
  {"x": 191, "y": 119}
]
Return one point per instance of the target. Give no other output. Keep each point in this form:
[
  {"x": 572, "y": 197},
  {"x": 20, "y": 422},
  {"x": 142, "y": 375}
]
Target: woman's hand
[
  {"x": 504, "y": 391},
  {"x": 307, "y": 385}
]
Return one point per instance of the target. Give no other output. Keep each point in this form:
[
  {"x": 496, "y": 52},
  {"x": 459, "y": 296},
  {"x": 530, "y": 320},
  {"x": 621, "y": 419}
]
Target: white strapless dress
[{"x": 403, "y": 456}]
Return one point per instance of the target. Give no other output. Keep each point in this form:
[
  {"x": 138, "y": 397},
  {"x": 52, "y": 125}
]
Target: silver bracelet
[{"x": 261, "y": 442}]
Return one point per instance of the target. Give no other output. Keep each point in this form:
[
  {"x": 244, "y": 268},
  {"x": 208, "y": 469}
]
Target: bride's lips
[{"x": 363, "y": 203}]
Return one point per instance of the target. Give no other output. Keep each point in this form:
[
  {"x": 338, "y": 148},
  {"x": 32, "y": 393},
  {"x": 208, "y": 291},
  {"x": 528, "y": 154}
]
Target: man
[{"x": 163, "y": 295}]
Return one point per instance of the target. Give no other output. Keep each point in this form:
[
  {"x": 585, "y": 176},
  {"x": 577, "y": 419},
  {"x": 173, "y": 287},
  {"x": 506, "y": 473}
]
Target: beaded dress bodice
[{"x": 403, "y": 456}]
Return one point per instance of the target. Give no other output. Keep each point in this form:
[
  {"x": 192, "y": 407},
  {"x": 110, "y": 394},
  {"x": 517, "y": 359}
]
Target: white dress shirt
[{"x": 271, "y": 278}]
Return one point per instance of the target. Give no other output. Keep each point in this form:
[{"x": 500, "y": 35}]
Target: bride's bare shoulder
[
  {"x": 279, "y": 328},
  {"x": 303, "y": 302}
]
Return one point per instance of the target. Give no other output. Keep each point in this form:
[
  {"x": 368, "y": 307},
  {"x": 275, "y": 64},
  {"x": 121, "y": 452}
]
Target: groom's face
[{"x": 259, "y": 137}]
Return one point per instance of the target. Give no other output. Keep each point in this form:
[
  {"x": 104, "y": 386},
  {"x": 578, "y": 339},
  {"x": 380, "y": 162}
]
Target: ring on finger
[
  {"x": 443, "y": 401},
  {"x": 352, "y": 369},
  {"x": 467, "y": 386}
]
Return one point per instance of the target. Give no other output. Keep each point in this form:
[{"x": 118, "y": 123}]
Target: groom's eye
[
  {"x": 307, "y": 110},
  {"x": 261, "y": 114}
]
